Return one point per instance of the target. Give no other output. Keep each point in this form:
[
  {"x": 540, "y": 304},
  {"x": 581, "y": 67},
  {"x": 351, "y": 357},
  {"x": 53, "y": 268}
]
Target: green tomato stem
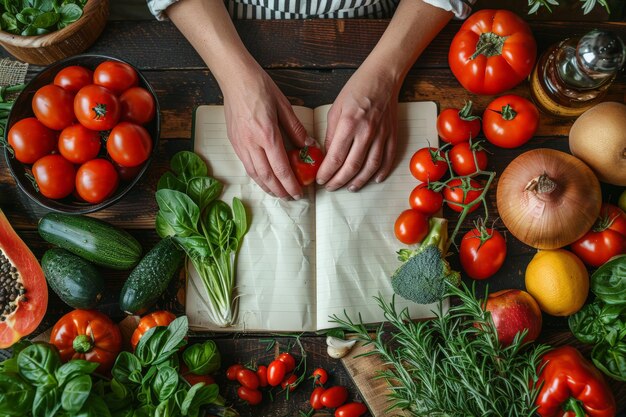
[{"x": 82, "y": 343}]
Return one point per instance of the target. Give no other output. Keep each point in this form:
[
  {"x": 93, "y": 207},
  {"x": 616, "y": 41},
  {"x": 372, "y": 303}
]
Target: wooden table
[{"x": 310, "y": 61}]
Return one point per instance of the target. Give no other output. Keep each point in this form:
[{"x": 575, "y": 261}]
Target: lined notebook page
[
  {"x": 356, "y": 246},
  {"x": 275, "y": 267}
]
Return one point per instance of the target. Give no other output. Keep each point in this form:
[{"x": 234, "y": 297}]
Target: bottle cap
[{"x": 601, "y": 51}]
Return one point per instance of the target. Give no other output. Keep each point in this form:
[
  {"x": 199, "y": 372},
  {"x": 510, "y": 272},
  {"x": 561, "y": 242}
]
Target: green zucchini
[
  {"x": 77, "y": 282},
  {"x": 94, "y": 240},
  {"x": 150, "y": 278}
]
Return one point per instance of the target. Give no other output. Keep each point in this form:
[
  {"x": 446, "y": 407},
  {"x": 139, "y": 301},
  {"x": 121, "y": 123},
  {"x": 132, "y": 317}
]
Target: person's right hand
[{"x": 257, "y": 116}]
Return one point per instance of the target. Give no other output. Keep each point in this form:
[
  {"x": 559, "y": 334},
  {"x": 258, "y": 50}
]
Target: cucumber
[
  {"x": 77, "y": 282},
  {"x": 150, "y": 278},
  {"x": 94, "y": 240}
]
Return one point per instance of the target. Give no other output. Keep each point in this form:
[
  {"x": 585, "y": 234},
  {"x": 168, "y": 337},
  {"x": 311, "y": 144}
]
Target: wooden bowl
[{"x": 71, "y": 40}]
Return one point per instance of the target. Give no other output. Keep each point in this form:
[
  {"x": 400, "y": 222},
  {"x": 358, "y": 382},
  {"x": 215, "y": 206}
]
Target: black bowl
[{"x": 22, "y": 108}]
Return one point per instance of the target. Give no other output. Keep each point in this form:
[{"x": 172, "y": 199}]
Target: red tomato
[
  {"x": 137, "y": 105},
  {"x": 453, "y": 193},
  {"x": 248, "y": 378},
  {"x": 232, "y": 371},
  {"x": 31, "y": 140},
  {"x": 482, "y": 252},
  {"x": 455, "y": 126},
  {"x": 53, "y": 106},
  {"x": 411, "y": 227},
  {"x": 320, "y": 376},
  {"x": 305, "y": 163},
  {"x": 116, "y": 76},
  {"x": 597, "y": 247},
  {"x": 129, "y": 144},
  {"x": 73, "y": 78},
  {"x": 96, "y": 180},
  {"x": 251, "y": 396},
  {"x": 288, "y": 360},
  {"x": 428, "y": 164},
  {"x": 78, "y": 144},
  {"x": 261, "y": 373},
  {"x": 316, "y": 398},
  {"x": 510, "y": 121},
  {"x": 276, "y": 371},
  {"x": 147, "y": 322},
  {"x": 493, "y": 51},
  {"x": 127, "y": 173},
  {"x": 96, "y": 108},
  {"x": 334, "y": 397},
  {"x": 289, "y": 382},
  {"x": 425, "y": 200},
  {"x": 194, "y": 379},
  {"x": 463, "y": 160},
  {"x": 351, "y": 410},
  {"x": 54, "y": 176},
  {"x": 612, "y": 217}
]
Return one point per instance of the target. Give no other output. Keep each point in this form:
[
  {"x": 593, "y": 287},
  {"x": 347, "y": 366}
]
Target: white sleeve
[
  {"x": 157, "y": 7},
  {"x": 461, "y": 8}
]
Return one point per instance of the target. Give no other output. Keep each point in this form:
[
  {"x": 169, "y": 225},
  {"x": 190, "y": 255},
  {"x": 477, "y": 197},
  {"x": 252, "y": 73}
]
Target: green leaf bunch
[{"x": 38, "y": 17}]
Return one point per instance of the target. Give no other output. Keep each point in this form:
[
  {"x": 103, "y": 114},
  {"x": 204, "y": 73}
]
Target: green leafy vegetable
[
  {"x": 38, "y": 17},
  {"x": 587, "y": 5},
  {"x": 609, "y": 281},
  {"x": 202, "y": 359}
]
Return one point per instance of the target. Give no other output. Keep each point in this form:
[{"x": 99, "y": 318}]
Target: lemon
[{"x": 558, "y": 280}]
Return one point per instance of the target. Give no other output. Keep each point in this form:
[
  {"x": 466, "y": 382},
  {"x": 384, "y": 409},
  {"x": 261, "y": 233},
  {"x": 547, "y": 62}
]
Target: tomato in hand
[
  {"x": 53, "y": 106},
  {"x": 73, "y": 78},
  {"x": 305, "y": 163},
  {"x": 289, "y": 382},
  {"x": 116, "y": 76},
  {"x": 251, "y": 396},
  {"x": 288, "y": 360},
  {"x": 482, "y": 252},
  {"x": 147, "y": 322},
  {"x": 248, "y": 378},
  {"x": 606, "y": 239},
  {"x": 89, "y": 335},
  {"x": 78, "y": 144},
  {"x": 464, "y": 157},
  {"x": 425, "y": 200},
  {"x": 96, "y": 180},
  {"x": 261, "y": 373},
  {"x": 137, "y": 105},
  {"x": 453, "y": 193},
  {"x": 510, "y": 121},
  {"x": 54, "y": 176},
  {"x": 96, "y": 108},
  {"x": 232, "y": 371},
  {"x": 129, "y": 144},
  {"x": 276, "y": 372},
  {"x": 456, "y": 126},
  {"x": 351, "y": 410},
  {"x": 334, "y": 397},
  {"x": 428, "y": 164},
  {"x": 493, "y": 51},
  {"x": 30, "y": 140},
  {"x": 316, "y": 398},
  {"x": 411, "y": 227},
  {"x": 320, "y": 376}
]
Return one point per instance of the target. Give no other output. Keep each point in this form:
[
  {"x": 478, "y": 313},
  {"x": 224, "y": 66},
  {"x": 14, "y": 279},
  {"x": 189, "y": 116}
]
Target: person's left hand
[{"x": 361, "y": 134}]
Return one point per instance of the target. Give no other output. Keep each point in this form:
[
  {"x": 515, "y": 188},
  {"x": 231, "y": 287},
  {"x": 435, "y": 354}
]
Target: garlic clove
[{"x": 338, "y": 348}]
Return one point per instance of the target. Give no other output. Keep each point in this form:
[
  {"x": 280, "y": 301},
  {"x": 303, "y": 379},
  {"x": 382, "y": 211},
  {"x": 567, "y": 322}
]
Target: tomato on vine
[
  {"x": 425, "y": 200},
  {"x": 320, "y": 376},
  {"x": 428, "y": 164},
  {"x": 316, "y": 398},
  {"x": 248, "y": 378},
  {"x": 411, "y": 227},
  {"x": 465, "y": 157},
  {"x": 276, "y": 371},
  {"x": 456, "y": 126},
  {"x": 251, "y": 396},
  {"x": 334, "y": 397},
  {"x": 289, "y": 382},
  {"x": 261, "y": 373},
  {"x": 288, "y": 360},
  {"x": 482, "y": 252},
  {"x": 463, "y": 191},
  {"x": 231, "y": 372}
]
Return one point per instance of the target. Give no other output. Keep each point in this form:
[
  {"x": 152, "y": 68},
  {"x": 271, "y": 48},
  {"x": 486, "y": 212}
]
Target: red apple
[{"x": 512, "y": 311}]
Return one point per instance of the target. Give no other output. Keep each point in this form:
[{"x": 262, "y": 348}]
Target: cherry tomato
[
  {"x": 251, "y": 396},
  {"x": 129, "y": 144},
  {"x": 320, "y": 376},
  {"x": 425, "y": 200},
  {"x": 462, "y": 158},
  {"x": 78, "y": 144},
  {"x": 96, "y": 108},
  {"x": 96, "y": 180},
  {"x": 316, "y": 398},
  {"x": 510, "y": 121},
  {"x": 276, "y": 371},
  {"x": 54, "y": 176},
  {"x": 428, "y": 164},
  {"x": 456, "y": 126},
  {"x": 137, "y": 105},
  {"x": 482, "y": 252},
  {"x": 73, "y": 78},
  {"x": 453, "y": 193},
  {"x": 261, "y": 373},
  {"x": 351, "y": 410},
  {"x": 53, "y": 106},
  {"x": 116, "y": 76},
  {"x": 147, "y": 322},
  {"x": 194, "y": 379},
  {"x": 232, "y": 371},
  {"x": 31, "y": 140},
  {"x": 411, "y": 227},
  {"x": 305, "y": 163},
  {"x": 597, "y": 247},
  {"x": 289, "y": 382},
  {"x": 334, "y": 397},
  {"x": 248, "y": 378},
  {"x": 288, "y": 360}
]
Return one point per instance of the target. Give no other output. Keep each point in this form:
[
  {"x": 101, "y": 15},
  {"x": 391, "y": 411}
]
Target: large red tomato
[
  {"x": 96, "y": 180},
  {"x": 54, "y": 176},
  {"x": 31, "y": 140},
  {"x": 493, "y": 51},
  {"x": 129, "y": 144},
  {"x": 606, "y": 239},
  {"x": 78, "y": 144},
  {"x": 73, "y": 78},
  {"x": 116, "y": 76},
  {"x": 52, "y": 106},
  {"x": 96, "y": 108},
  {"x": 137, "y": 105},
  {"x": 482, "y": 252},
  {"x": 510, "y": 121}
]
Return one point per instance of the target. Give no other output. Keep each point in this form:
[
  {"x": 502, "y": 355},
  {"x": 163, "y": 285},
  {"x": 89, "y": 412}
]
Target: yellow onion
[{"x": 548, "y": 198}]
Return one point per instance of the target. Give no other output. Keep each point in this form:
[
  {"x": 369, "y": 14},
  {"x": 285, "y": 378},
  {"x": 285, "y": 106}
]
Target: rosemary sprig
[
  {"x": 587, "y": 5},
  {"x": 452, "y": 365}
]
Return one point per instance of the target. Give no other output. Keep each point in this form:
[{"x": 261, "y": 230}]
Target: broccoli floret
[{"x": 423, "y": 275}]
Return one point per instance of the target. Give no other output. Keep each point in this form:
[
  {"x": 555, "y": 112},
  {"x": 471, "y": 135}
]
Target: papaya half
[{"x": 23, "y": 288}]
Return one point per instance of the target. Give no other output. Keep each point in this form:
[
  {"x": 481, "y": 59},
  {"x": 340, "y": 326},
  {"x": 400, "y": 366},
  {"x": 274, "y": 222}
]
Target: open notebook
[{"x": 305, "y": 260}]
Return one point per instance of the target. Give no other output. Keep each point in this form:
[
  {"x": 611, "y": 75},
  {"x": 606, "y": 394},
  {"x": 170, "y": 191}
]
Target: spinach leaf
[
  {"x": 37, "y": 17},
  {"x": 94, "y": 407},
  {"x": 204, "y": 190},
  {"x": 45, "y": 20},
  {"x": 75, "y": 393},
  {"x": 178, "y": 211},
  {"x": 70, "y": 13},
  {"x": 196, "y": 247},
  {"x": 47, "y": 401},
  {"x": 608, "y": 283},
  {"x": 73, "y": 369},
  {"x": 38, "y": 364},
  {"x": 188, "y": 165},
  {"x": 165, "y": 383},
  {"x": 127, "y": 368},
  {"x": 611, "y": 359},
  {"x": 220, "y": 224},
  {"x": 16, "y": 395},
  {"x": 202, "y": 359},
  {"x": 162, "y": 228},
  {"x": 240, "y": 218},
  {"x": 169, "y": 181},
  {"x": 197, "y": 396}
]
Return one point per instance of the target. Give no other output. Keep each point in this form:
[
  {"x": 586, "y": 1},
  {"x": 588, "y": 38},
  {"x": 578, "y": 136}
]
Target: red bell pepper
[{"x": 572, "y": 386}]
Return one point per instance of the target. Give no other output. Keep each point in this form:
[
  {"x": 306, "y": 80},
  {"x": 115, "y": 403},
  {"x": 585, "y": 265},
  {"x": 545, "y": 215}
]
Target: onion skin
[{"x": 548, "y": 220}]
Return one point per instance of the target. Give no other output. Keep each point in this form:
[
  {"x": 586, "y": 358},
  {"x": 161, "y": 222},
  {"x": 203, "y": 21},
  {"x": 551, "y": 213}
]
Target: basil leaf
[
  {"x": 44, "y": 5},
  {"x": 127, "y": 367},
  {"x": 197, "y": 396},
  {"x": 45, "y": 20},
  {"x": 94, "y": 407},
  {"x": 9, "y": 22},
  {"x": 163, "y": 229},
  {"x": 75, "y": 393},
  {"x": 179, "y": 212},
  {"x": 608, "y": 283},
  {"x": 169, "y": 181},
  {"x": 46, "y": 402},
  {"x": 16, "y": 395},
  {"x": 38, "y": 364},
  {"x": 175, "y": 338},
  {"x": 70, "y": 13},
  {"x": 611, "y": 359},
  {"x": 166, "y": 408},
  {"x": 165, "y": 383},
  {"x": 188, "y": 165},
  {"x": 202, "y": 359},
  {"x": 204, "y": 190},
  {"x": 74, "y": 368}
]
